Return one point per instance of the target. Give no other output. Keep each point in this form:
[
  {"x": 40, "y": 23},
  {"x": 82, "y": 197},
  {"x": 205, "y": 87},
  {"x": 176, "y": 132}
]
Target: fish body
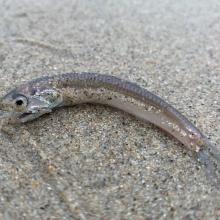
[{"x": 40, "y": 96}]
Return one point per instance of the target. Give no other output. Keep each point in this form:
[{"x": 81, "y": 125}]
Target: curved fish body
[{"x": 37, "y": 97}]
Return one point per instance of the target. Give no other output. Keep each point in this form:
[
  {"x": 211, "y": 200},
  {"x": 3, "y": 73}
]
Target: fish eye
[{"x": 21, "y": 101}]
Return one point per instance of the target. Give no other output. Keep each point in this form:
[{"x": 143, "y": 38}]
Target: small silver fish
[{"x": 40, "y": 96}]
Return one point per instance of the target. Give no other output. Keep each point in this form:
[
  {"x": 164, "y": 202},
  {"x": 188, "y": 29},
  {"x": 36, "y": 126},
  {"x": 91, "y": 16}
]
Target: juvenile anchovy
[{"x": 35, "y": 98}]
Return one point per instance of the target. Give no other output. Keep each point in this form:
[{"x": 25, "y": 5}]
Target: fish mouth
[
  {"x": 16, "y": 117},
  {"x": 25, "y": 114},
  {"x": 32, "y": 114}
]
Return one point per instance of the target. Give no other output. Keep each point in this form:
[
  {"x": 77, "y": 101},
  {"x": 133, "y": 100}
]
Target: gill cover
[{"x": 46, "y": 99}]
